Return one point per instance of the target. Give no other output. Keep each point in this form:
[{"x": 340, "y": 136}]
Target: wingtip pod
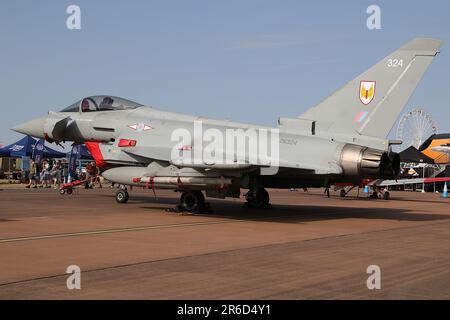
[{"x": 423, "y": 44}]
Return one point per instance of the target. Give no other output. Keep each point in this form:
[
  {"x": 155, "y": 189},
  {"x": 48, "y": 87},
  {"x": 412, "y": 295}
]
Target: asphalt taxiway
[{"x": 306, "y": 247}]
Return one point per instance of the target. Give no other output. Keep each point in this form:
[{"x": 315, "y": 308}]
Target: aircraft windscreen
[
  {"x": 72, "y": 108},
  {"x": 102, "y": 103}
]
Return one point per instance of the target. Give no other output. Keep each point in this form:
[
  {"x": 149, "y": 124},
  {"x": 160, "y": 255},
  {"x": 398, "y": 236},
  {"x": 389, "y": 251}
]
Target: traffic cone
[
  {"x": 366, "y": 189},
  {"x": 445, "y": 193}
]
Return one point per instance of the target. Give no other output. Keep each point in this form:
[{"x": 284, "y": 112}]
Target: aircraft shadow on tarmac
[{"x": 294, "y": 213}]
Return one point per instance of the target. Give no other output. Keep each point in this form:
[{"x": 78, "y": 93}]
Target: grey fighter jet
[{"x": 342, "y": 139}]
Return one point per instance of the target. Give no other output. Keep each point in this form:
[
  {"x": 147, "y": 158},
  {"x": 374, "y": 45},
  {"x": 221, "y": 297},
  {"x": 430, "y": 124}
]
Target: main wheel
[
  {"x": 122, "y": 196},
  {"x": 386, "y": 196},
  {"x": 69, "y": 191},
  {"x": 258, "y": 199},
  {"x": 192, "y": 201},
  {"x": 62, "y": 191},
  {"x": 343, "y": 193}
]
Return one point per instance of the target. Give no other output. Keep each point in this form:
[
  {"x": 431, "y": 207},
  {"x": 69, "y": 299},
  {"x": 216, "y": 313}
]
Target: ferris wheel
[{"x": 414, "y": 128}]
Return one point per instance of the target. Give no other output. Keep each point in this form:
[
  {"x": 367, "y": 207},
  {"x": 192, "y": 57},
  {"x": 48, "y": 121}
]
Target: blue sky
[{"x": 246, "y": 60}]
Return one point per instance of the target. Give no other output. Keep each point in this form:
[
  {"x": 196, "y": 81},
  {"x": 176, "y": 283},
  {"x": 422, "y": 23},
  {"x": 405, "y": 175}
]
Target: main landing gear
[
  {"x": 122, "y": 195},
  {"x": 257, "y": 198},
  {"x": 191, "y": 201},
  {"x": 194, "y": 201}
]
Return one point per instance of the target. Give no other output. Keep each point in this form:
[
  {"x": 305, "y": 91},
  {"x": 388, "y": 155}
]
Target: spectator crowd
[{"x": 53, "y": 173}]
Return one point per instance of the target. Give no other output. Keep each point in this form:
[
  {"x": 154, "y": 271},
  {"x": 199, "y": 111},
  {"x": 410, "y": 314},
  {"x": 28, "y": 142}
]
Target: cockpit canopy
[{"x": 102, "y": 103}]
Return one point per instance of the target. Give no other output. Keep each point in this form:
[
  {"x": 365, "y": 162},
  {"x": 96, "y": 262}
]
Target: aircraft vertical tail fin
[{"x": 371, "y": 103}]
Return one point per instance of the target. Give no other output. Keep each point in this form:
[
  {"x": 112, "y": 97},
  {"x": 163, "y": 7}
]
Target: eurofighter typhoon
[{"x": 341, "y": 139}]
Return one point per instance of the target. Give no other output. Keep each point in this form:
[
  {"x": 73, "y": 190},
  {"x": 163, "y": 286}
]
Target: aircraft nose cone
[{"x": 33, "y": 128}]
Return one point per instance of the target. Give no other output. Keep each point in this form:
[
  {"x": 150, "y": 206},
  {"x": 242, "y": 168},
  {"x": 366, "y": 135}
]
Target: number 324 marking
[{"x": 395, "y": 63}]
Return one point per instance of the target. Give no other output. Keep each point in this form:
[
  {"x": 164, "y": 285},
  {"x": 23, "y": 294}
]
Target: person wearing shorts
[{"x": 33, "y": 175}]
